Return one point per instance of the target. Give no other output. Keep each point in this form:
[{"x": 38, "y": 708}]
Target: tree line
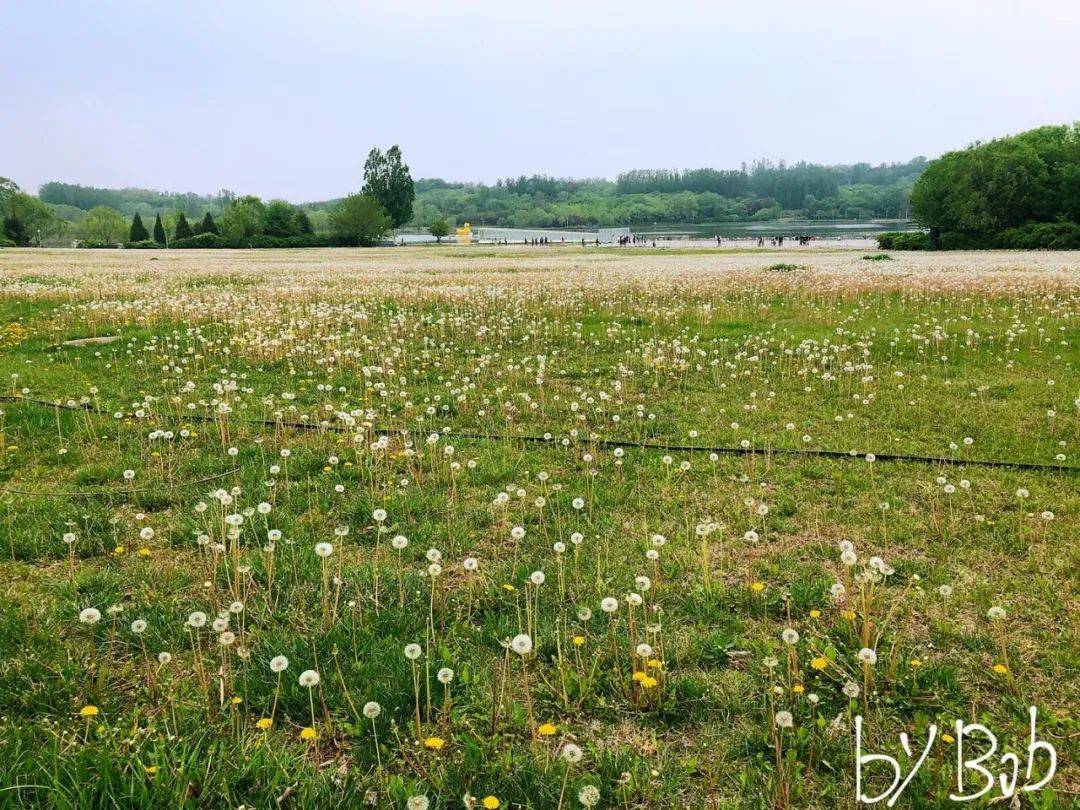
[
  {"x": 1021, "y": 191},
  {"x": 759, "y": 192},
  {"x": 225, "y": 220}
]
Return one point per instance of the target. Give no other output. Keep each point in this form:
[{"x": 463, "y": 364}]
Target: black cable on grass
[
  {"x": 107, "y": 492},
  {"x": 675, "y": 448}
]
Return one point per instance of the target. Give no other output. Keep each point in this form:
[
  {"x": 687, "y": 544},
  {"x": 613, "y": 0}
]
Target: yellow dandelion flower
[
  {"x": 815, "y": 614},
  {"x": 915, "y": 663},
  {"x": 638, "y": 676},
  {"x": 144, "y": 552},
  {"x": 490, "y": 803},
  {"x": 798, "y": 689},
  {"x": 1000, "y": 669},
  {"x": 546, "y": 730},
  {"x": 263, "y": 723},
  {"x": 308, "y": 733},
  {"x": 655, "y": 663},
  {"x": 648, "y": 682},
  {"x": 151, "y": 770},
  {"x": 757, "y": 587},
  {"x": 89, "y": 711},
  {"x": 508, "y": 587},
  {"x": 434, "y": 743},
  {"x": 236, "y": 700},
  {"x": 118, "y": 550},
  {"x": 578, "y": 640},
  {"x": 849, "y": 615},
  {"x": 819, "y": 663},
  {"x": 948, "y": 738}
]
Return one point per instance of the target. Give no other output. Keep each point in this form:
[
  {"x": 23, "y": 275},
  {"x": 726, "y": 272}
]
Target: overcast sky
[{"x": 284, "y": 99}]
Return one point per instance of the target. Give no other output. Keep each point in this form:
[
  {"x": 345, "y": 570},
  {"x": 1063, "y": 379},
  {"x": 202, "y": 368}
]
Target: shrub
[
  {"x": 143, "y": 244},
  {"x": 202, "y": 240},
  {"x": 97, "y": 244},
  {"x": 904, "y": 240},
  {"x": 211, "y": 240},
  {"x": 1040, "y": 236},
  {"x": 878, "y": 257},
  {"x": 5, "y": 242},
  {"x": 783, "y": 267}
]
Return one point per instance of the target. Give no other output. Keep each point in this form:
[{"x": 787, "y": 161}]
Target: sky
[{"x": 284, "y": 99}]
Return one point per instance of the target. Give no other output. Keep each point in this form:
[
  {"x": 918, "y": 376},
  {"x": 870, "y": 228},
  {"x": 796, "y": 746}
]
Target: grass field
[{"x": 319, "y": 455}]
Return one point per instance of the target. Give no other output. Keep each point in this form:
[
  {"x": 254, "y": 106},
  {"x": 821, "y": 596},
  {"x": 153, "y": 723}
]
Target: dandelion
[
  {"x": 589, "y": 796},
  {"x": 784, "y": 719},
  {"x": 490, "y": 803}
]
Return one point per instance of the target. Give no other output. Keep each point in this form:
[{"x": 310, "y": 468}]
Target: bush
[
  {"x": 903, "y": 240},
  {"x": 5, "y": 242},
  {"x": 97, "y": 244},
  {"x": 878, "y": 257},
  {"x": 143, "y": 244},
  {"x": 212, "y": 240},
  {"x": 1033, "y": 236},
  {"x": 1040, "y": 236}
]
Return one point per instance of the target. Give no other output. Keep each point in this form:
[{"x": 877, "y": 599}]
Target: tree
[
  {"x": 279, "y": 218},
  {"x": 159, "y": 231},
  {"x": 183, "y": 229},
  {"x": 302, "y": 222},
  {"x": 8, "y": 189},
  {"x": 387, "y": 179},
  {"x": 104, "y": 225},
  {"x": 138, "y": 232},
  {"x": 243, "y": 218},
  {"x": 1032, "y": 177},
  {"x": 439, "y": 228},
  {"x": 26, "y": 220},
  {"x": 15, "y": 230},
  {"x": 207, "y": 225},
  {"x": 359, "y": 220}
]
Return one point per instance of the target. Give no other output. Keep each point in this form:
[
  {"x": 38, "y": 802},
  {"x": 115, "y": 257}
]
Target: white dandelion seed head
[{"x": 372, "y": 710}]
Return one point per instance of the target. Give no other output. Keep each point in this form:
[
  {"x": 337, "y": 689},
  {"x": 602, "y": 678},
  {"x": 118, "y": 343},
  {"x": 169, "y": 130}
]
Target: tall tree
[
  {"x": 279, "y": 218},
  {"x": 244, "y": 217},
  {"x": 15, "y": 230},
  {"x": 138, "y": 232},
  {"x": 159, "y": 231},
  {"x": 988, "y": 187},
  {"x": 359, "y": 220},
  {"x": 387, "y": 179},
  {"x": 207, "y": 225},
  {"x": 104, "y": 225},
  {"x": 183, "y": 229},
  {"x": 302, "y": 222}
]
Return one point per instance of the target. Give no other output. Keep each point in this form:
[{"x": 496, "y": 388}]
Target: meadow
[{"x": 445, "y": 527}]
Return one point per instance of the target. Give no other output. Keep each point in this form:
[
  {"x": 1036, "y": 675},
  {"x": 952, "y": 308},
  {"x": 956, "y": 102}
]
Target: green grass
[{"x": 896, "y": 369}]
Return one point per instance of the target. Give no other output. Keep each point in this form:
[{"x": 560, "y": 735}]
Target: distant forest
[{"x": 759, "y": 192}]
